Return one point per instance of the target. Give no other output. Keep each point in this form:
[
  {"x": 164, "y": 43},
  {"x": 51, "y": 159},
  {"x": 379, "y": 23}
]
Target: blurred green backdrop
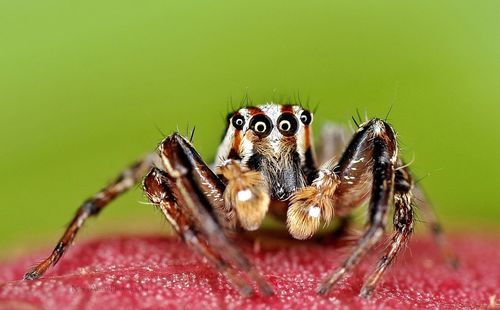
[{"x": 86, "y": 87}]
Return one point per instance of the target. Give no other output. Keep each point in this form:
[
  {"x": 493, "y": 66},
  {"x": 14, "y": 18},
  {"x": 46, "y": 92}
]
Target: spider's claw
[
  {"x": 323, "y": 289},
  {"x": 32, "y": 275},
  {"x": 38, "y": 271},
  {"x": 330, "y": 281},
  {"x": 240, "y": 284},
  {"x": 246, "y": 291},
  {"x": 366, "y": 291},
  {"x": 264, "y": 287}
]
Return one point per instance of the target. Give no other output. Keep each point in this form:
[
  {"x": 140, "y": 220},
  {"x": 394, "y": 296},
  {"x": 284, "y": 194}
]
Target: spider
[{"x": 266, "y": 163}]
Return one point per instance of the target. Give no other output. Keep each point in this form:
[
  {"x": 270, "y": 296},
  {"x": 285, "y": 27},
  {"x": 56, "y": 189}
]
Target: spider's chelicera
[{"x": 267, "y": 164}]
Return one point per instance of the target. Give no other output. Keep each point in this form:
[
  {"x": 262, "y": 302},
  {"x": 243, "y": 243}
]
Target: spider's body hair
[
  {"x": 286, "y": 161},
  {"x": 267, "y": 163}
]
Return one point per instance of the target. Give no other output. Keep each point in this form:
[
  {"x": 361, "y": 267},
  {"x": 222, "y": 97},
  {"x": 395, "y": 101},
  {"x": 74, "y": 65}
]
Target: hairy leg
[
  {"x": 373, "y": 149},
  {"x": 403, "y": 181},
  {"x": 92, "y": 207},
  {"x": 403, "y": 227},
  {"x": 199, "y": 192},
  {"x": 157, "y": 187}
]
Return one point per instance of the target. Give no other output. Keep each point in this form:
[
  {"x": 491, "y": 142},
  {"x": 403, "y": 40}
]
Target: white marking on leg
[
  {"x": 314, "y": 211},
  {"x": 244, "y": 195},
  {"x": 358, "y": 161}
]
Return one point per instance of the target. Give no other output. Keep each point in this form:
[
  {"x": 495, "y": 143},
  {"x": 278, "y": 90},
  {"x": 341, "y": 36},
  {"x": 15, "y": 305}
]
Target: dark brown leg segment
[
  {"x": 157, "y": 187},
  {"x": 199, "y": 193},
  {"x": 402, "y": 182},
  {"x": 92, "y": 207},
  {"x": 372, "y": 148},
  {"x": 403, "y": 228}
]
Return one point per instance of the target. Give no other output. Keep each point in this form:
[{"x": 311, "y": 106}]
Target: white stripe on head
[{"x": 273, "y": 111}]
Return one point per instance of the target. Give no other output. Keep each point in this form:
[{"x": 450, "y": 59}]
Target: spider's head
[{"x": 273, "y": 139}]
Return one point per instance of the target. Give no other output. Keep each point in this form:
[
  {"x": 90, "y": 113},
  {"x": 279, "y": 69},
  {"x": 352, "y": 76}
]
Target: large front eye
[
  {"x": 261, "y": 125},
  {"x": 287, "y": 124},
  {"x": 238, "y": 121}
]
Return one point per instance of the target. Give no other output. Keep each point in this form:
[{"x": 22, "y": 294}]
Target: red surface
[{"x": 153, "y": 272}]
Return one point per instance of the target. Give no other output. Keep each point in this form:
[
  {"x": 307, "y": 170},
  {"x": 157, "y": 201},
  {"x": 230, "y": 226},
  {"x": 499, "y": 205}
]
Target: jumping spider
[{"x": 267, "y": 163}]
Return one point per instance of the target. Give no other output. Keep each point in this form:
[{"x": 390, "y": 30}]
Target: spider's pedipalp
[
  {"x": 312, "y": 205},
  {"x": 246, "y": 192}
]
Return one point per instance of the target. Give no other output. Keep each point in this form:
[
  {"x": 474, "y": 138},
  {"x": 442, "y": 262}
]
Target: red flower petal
[{"x": 153, "y": 272}]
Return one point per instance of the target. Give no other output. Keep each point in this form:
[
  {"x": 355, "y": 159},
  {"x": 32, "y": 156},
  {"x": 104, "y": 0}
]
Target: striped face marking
[
  {"x": 274, "y": 140},
  {"x": 269, "y": 128}
]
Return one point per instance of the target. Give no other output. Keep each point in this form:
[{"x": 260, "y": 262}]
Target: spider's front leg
[
  {"x": 92, "y": 207},
  {"x": 192, "y": 198},
  {"x": 332, "y": 143},
  {"x": 158, "y": 187},
  {"x": 370, "y": 157}
]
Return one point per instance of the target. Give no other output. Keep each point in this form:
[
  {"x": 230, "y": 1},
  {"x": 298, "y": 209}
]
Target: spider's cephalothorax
[
  {"x": 274, "y": 140},
  {"x": 266, "y": 163}
]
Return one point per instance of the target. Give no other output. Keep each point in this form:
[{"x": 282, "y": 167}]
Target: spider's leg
[
  {"x": 91, "y": 207},
  {"x": 403, "y": 228},
  {"x": 371, "y": 155},
  {"x": 200, "y": 193},
  {"x": 404, "y": 179},
  {"x": 158, "y": 188}
]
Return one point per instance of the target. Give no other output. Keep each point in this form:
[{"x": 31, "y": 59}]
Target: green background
[{"x": 87, "y": 86}]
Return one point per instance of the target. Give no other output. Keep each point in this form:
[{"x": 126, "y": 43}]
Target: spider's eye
[
  {"x": 261, "y": 125},
  {"x": 287, "y": 124},
  {"x": 238, "y": 122},
  {"x": 306, "y": 117}
]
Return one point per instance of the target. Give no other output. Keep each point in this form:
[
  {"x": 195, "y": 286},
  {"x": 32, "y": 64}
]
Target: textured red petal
[{"x": 153, "y": 272}]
